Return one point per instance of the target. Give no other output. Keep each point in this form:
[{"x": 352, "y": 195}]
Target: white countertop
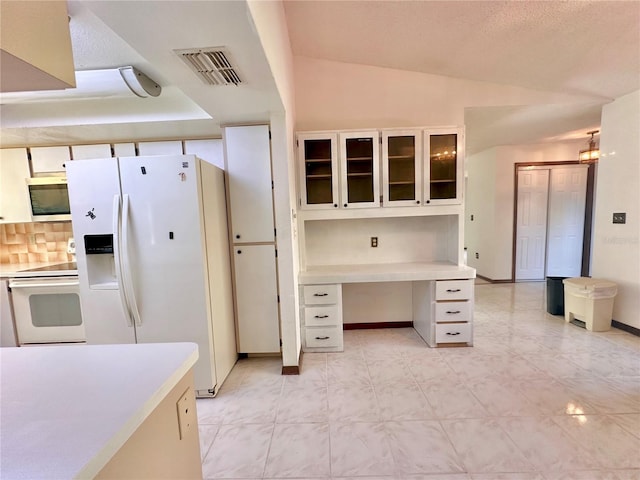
[
  {"x": 66, "y": 410},
  {"x": 390, "y": 272}
]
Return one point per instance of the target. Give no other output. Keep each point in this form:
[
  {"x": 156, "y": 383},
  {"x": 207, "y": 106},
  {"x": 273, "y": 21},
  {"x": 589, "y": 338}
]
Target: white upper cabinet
[
  {"x": 124, "y": 149},
  {"x": 359, "y": 169},
  {"x": 443, "y": 166},
  {"x": 86, "y": 152},
  {"x": 49, "y": 159},
  {"x": 318, "y": 156},
  {"x": 210, "y": 151},
  {"x": 160, "y": 148},
  {"x": 248, "y": 165},
  {"x": 401, "y": 167},
  {"x": 14, "y": 197}
]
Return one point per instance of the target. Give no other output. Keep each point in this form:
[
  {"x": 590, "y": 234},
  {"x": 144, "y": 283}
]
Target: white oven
[{"x": 47, "y": 310}]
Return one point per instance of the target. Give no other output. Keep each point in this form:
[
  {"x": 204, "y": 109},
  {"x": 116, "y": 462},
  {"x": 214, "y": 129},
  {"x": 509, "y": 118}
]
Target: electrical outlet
[
  {"x": 472, "y": 217},
  {"x": 374, "y": 242},
  {"x": 186, "y": 406},
  {"x": 620, "y": 217},
  {"x": 477, "y": 255}
]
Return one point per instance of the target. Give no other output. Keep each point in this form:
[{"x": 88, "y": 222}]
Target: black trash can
[{"x": 555, "y": 295}]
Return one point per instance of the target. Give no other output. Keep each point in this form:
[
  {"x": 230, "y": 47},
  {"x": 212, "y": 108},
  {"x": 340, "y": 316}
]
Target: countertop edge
[{"x": 97, "y": 463}]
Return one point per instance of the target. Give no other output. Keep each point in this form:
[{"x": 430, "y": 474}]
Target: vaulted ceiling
[{"x": 588, "y": 49}]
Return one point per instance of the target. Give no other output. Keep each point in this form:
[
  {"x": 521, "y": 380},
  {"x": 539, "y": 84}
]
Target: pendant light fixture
[{"x": 591, "y": 154}]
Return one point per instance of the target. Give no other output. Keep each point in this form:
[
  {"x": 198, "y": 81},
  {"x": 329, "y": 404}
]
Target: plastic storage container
[
  {"x": 555, "y": 295},
  {"x": 589, "y": 300}
]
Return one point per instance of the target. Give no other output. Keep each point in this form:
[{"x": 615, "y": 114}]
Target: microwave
[{"x": 49, "y": 199}]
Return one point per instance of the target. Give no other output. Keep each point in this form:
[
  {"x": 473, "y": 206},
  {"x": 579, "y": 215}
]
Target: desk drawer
[
  {"x": 453, "y": 333},
  {"x": 320, "y": 294},
  {"x": 323, "y": 337},
  {"x": 321, "y": 316},
  {"x": 453, "y": 311},
  {"x": 454, "y": 289}
]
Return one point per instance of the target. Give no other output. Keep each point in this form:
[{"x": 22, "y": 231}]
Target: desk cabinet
[
  {"x": 322, "y": 313},
  {"x": 443, "y": 312}
]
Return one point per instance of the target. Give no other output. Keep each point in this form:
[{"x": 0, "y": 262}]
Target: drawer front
[
  {"x": 325, "y": 315},
  {"x": 320, "y": 294},
  {"x": 454, "y": 289},
  {"x": 323, "y": 337},
  {"x": 453, "y": 311},
  {"x": 453, "y": 332}
]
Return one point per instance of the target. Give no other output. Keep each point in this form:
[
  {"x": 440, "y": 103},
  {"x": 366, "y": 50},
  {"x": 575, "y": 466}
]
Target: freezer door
[
  {"x": 164, "y": 244},
  {"x": 93, "y": 185}
]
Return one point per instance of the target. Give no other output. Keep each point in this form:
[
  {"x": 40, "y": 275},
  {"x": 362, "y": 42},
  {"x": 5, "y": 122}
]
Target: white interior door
[
  {"x": 531, "y": 226},
  {"x": 567, "y": 196}
]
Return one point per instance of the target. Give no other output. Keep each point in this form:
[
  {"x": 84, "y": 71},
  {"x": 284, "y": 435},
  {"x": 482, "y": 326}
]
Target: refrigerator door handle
[
  {"x": 117, "y": 214},
  {"x": 131, "y": 294}
]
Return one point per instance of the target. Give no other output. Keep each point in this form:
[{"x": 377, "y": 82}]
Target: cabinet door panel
[
  {"x": 248, "y": 165},
  {"x": 318, "y": 154},
  {"x": 401, "y": 168},
  {"x": 49, "y": 159},
  {"x": 256, "y": 299},
  {"x": 14, "y": 197},
  {"x": 359, "y": 162},
  {"x": 160, "y": 148},
  {"x": 443, "y": 167},
  {"x": 85, "y": 152}
]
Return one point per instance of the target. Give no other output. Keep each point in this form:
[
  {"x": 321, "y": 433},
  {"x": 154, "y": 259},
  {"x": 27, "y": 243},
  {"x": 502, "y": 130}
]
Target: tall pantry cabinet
[{"x": 247, "y": 151}]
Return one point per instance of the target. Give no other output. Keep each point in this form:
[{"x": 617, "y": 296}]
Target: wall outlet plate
[
  {"x": 186, "y": 406},
  {"x": 71, "y": 246},
  {"x": 619, "y": 218}
]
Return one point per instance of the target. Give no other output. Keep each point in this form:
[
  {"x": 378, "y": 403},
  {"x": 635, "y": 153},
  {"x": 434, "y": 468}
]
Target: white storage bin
[{"x": 589, "y": 300}]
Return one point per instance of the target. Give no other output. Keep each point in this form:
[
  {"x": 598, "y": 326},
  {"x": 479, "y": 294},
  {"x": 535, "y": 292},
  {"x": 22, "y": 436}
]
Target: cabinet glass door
[
  {"x": 319, "y": 182},
  {"x": 401, "y": 172},
  {"x": 359, "y": 161},
  {"x": 442, "y": 171}
]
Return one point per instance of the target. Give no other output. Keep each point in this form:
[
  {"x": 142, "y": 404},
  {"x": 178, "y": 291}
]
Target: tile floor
[{"x": 534, "y": 399}]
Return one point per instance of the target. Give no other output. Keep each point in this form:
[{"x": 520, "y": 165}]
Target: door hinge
[
  {"x": 297, "y": 144},
  {"x": 275, "y": 232},
  {"x": 276, "y": 253},
  {"x": 278, "y": 298},
  {"x": 280, "y": 342},
  {"x": 269, "y": 134},
  {"x": 271, "y": 184}
]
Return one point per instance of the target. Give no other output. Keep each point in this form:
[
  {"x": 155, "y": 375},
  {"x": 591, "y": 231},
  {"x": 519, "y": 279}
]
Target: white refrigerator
[{"x": 152, "y": 250}]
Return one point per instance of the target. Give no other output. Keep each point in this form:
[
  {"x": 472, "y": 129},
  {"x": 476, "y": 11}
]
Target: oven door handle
[{"x": 32, "y": 284}]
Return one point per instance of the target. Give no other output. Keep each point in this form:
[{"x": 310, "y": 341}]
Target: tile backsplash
[{"x": 35, "y": 242}]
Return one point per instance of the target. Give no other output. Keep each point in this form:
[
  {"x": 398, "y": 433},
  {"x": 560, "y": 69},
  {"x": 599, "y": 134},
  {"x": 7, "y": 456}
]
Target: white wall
[
  {"x": 333, "y": 95},
  {"x": 490, "y": 191},
  {"x": 616, "y": 249},
  {"x": 270, "y": 23}
]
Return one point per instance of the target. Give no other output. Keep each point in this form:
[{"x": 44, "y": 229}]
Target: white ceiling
[{"x": 590, "y": 49}]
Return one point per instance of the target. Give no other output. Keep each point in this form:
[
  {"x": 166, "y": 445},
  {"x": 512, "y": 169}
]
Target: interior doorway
[{"x": 549, "y": 221}]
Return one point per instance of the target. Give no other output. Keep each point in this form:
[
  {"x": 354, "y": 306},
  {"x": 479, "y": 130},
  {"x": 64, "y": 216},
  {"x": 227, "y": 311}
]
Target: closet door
[
  {"x": 567, "y": 197},
  {"x": 531, "y": 226}
]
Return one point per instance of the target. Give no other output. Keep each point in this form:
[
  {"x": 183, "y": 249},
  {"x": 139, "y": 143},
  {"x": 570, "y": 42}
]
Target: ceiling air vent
[{"x": 212, "y": 65}]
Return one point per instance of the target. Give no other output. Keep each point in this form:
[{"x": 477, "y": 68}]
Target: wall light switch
[{"x": 619, "y": 218}]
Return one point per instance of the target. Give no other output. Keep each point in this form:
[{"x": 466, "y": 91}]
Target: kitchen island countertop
[{"x": 66, "y": 410}]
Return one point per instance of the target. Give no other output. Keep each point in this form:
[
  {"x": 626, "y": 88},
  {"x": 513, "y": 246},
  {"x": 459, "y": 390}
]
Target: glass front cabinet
[
  {"x": 359, "y": 169},
  {"x": 418, "y": 167},
  {"x": 401, "y": 167},
  {"x": 443, "y": 166},
  {"x": 318, "y": 154}
]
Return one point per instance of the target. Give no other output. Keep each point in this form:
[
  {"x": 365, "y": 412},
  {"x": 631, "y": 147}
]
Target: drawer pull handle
[
  {"x": 453, "y": 312},
  {"x": 320, "y": 294},
  {"x": 321, "y": 316},
  {"x": 453, "y": 333},
  {"x": 453, "y": 290},
  {"x": 322, "y": 338}
]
